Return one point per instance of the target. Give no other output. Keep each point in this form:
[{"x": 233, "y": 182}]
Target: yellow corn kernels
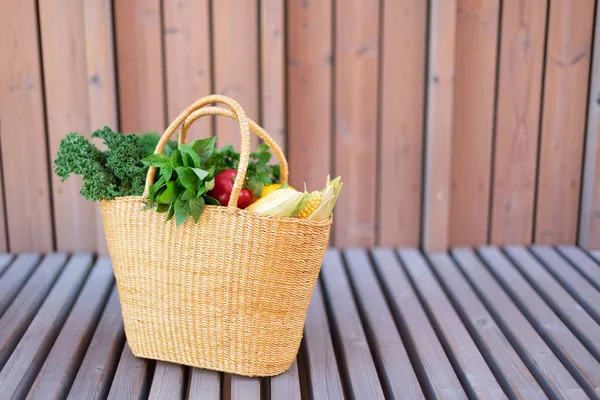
[{"x": 311, "y": 206}]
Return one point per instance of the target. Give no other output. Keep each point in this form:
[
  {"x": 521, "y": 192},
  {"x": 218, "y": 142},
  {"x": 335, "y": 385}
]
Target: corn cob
[
  {"x": 282, "y": 202},
  {"x": 311, "y": 206}
]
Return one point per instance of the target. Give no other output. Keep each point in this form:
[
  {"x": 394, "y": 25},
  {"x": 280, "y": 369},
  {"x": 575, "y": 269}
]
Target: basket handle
[
  {"x": 238, "y": 114},
  {"x": 254, "y": 127}
]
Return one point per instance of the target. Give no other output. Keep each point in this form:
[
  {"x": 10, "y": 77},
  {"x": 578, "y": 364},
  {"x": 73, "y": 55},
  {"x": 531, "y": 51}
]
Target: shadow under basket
[{"x": 229, "y": 293}]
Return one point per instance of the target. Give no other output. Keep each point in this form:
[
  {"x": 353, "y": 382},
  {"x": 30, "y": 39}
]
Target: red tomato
[{"x": 223, "y": 187}]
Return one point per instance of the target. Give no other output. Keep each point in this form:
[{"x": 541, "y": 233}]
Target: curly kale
[{"x": 116, "y": 172}]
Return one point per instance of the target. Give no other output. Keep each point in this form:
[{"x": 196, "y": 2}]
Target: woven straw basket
[{"x": 229, "y": 293}]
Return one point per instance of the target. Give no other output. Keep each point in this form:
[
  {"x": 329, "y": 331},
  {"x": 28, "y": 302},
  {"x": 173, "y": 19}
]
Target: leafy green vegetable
[{"x": 117, "y": 171}]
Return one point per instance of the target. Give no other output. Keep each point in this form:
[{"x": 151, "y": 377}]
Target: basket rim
[{"x": 234, "y": 211}]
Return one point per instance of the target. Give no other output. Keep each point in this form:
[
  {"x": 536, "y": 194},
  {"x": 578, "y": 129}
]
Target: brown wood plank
[
  {"x": 167, "y": 382},
  {"x": 589, "y": 227},
  {"x": 140, "y": 65},
  {"x": 17, "y": 317},
  {"x": 187, "y": 59},
  {"x": 323, "y": 372},
  {"x": 516, "y": 380},
  {"x": 25, "y": 195},
  {"x": 473, "y": 120},
  {"x": 67, "y": 110},
  {"x": 582, "y": 261},
  {"x": 309, "y": 91},
  {"x": 522, "y": 41},
  {"x": 204, "y": 384},
  {"x": 470, "y": 365},
  {"x": 357, "y": 363},
  {"x": 23, "y": 365},
  {"x": 577, "y": 285},
  {"x": 5, "y": 260},
  {"x": 356, "y": 113},
  {"x": 582, "y": 365},
  {"x": 395, "y": 370},
  {"x": 573, "y": 315},
  {"x": 100, "y": 362},
  {"x": 236, "y": 387},
  {"x": 568, "y": 53},
  {"x": 438, "y": 145},
  {"x": 62, "y": 363},
  {"x": 433, "y": 368},
  {"x": 402, "y": 108},
  {"x": 235, "y": 63},
  {"x": 551, "y": 374},
  {"x": 131, "y": 379},
  {"x": 272, "y": 37},
  {"x": 15, "y": 277},
  {"x": 102, "y": 86},
  {"x": 286, "y": 385}
]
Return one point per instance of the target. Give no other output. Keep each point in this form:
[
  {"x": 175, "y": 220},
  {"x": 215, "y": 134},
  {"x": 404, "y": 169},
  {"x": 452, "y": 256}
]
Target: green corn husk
[
  {"x": 330, "y": 194},
  {"x": 283, "y": 202}
]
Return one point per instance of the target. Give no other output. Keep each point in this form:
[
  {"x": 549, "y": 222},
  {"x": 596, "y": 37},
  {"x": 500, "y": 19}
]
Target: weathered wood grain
[
  {"x": 62, "y": 363},
  {"x": 534, "y": 352},
  {"x": 357, "y": 363},
  {"x": 21, "y": 311},
  {"x": 568, "y": 53},
  {"x": 573, "y": 315},
  {"x": 520, "y": 70},
  {"x": 15, "y": 277},
  {"x": 273, "y": 68},
  {"x": 28, "y": 357},
  {"x": 236, "y": 387},
  {"x": 473, "y": 119},
  {"x": 402, "y": 107},
  {"x": 582, "y": 262},
  {"x": 167, "y": 381},
  {"x": 436, "y": 375},
  {"x": 100, "y": 362},
  {"x": 140, "y": 65},
  {"x": 438, "y": 136},
  {"x": 512, "y": 373},
  {"x": 286, "y": 385},
  {"x": 577, "y": 285},
  {"x": 477, "y": 378},
  {"x": 187, "y": 55},
  {"x": 25, "y": 195},
  {"x": 323, "y": 371},
  {"x": 204, "y": 384},
  {"x": 235, "y": 63},
  {"x": 309, "y": 91},
  {"x": 395, "y": 370},
  {"x": 132, "y": 378},
  {"x": 67, "y": 110}
]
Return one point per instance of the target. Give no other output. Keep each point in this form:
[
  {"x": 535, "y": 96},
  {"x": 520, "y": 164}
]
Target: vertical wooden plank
[
  {"x": 286, "y": 385},
  {"x": 237, "y": 387},
  {"x": 26, "y": 195},
  {"x": 568, "y": 52},
  {"x": 589, "y": 220},
  {"x": 473, "y": 120},
  {"x": 356, "y": 101},
  {"x": 132, "y": 378},
  {"x": 309, "y": 96},
  {"x": 102, "y": 89},
  {"x": 438, "y": 147},
  {"x": 187, "y": 58},
  {"x": 140, "y": 65},
  {"x": 402, "y": 109},
  {"x": 235, "y": 52},
  {"x": 167, "y": 382},
  {"x": 67, "y": 105},
  {"x": 272, "y": 36},
  {"x": 517, "y": 120},
  {"x": 15, "y": 277}
]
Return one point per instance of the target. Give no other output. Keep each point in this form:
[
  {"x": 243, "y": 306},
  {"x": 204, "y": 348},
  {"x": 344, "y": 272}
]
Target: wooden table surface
[{"x": 485, "y": 323}]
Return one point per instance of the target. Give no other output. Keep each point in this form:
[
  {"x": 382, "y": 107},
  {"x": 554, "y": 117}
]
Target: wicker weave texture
[{"x": 229, "y": 293}]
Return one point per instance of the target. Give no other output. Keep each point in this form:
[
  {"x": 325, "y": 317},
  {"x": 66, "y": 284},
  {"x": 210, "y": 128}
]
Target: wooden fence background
[{"x": 452, "y": 122}]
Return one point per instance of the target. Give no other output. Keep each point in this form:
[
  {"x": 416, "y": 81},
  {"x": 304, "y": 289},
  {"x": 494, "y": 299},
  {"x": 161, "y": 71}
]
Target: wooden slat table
[{"x": 489, "y": 323}]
